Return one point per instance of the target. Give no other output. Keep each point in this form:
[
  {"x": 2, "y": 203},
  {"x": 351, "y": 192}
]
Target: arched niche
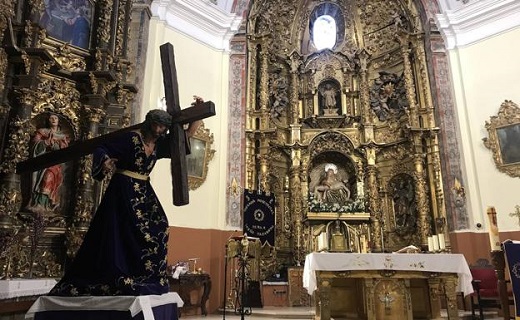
[
  {"x": 402, "y": 190},
  {"x": 329, "y": 98}
]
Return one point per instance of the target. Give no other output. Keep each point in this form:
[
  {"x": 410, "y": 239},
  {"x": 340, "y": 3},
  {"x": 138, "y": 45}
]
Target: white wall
[
  {"x": 484, "y": 75},
  {"x": 201, "y": 70}
]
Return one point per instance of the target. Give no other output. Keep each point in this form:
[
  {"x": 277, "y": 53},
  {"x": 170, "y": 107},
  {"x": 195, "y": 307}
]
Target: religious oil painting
[
  {"x": 195, "y": 160},
  {"x": 201, "y": 154},
  {"x": 68, "y": 21},
  {"x": 509, "y": 141},
  {"x": 504, "y": 138}
]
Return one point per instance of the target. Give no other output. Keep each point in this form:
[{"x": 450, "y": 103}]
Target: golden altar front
[{"x": 385, "y": 286}]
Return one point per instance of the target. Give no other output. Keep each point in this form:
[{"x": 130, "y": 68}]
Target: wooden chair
[
  {"x": 485, "y": 284},
  {"x": 485, "y": 288}
]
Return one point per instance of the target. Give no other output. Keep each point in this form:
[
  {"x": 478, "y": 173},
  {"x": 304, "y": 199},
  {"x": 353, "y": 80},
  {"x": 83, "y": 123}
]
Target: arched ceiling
[{"x": 461, "y": 22}]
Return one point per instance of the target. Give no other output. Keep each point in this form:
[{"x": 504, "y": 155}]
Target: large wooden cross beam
[{"x": 177, "y": 136}]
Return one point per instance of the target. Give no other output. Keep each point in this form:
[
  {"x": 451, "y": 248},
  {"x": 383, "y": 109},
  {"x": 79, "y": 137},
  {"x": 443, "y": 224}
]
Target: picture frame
[
  {"x": 504, "y": 138},
  {"x": 197, "y": 161},
  {"x": 69, "y": 21}
]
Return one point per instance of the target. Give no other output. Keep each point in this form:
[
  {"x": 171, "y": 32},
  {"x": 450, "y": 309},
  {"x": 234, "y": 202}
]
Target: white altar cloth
[
  {"x": 14, "y": 288},
  {"x": 332, "y": 261},
  {"x": 134, "y": 304}
]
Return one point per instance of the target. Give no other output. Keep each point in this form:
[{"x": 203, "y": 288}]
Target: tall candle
[
  {"x": 442, "y": 241},
  {"x": 494, "y": 239},
  {"x": 363, "y": 244},
  {"x": 435, "y": 243},
  {"x": 430, "y": 244}
]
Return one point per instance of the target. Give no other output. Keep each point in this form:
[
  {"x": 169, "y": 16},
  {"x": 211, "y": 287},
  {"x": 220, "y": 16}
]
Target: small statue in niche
[
  {"x": 404, "y": 206},
  {"x": 331, "y": 188},
  {"x": 328, "y": 99}
]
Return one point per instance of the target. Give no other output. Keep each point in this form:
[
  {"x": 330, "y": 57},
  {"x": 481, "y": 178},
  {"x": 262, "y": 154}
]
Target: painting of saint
[{"x": 68, "y": 21}]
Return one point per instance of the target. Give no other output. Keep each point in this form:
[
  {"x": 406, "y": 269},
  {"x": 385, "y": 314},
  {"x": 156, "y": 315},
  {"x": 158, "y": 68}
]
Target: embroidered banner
[
  {"x": 259, "y": 215},
  {"x": 512, "y": 252}
]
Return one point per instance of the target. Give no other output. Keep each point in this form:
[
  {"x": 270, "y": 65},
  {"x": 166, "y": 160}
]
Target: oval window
[{"x": 324, "y": 32}]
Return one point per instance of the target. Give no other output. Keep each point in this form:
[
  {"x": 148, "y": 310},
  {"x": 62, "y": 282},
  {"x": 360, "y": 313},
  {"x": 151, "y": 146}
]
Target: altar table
[
  {"x": 384, "y": 285},
  {"x": 19, "y": 287},
  {"x": 18, "y": 294},
  {"x": 150, "y": 307}
]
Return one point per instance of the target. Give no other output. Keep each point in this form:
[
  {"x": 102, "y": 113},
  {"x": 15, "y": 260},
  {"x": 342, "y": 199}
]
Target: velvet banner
[
  {"x": 512, "y": 252},
  {"x": 259, "y": 215}
]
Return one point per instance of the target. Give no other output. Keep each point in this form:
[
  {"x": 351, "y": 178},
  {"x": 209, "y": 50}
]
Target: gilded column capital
[{"x": 94, "y": 114}]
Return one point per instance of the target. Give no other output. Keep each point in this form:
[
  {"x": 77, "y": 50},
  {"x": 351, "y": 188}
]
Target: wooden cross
[
  {"x": 516, "y": 213},
  {"x": 177, "y": 140}
]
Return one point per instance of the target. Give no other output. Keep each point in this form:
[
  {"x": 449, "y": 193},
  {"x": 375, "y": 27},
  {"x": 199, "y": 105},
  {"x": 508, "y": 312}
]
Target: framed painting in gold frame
[
  {"x": 504, "y": 138},
  {"x": 201, "y": 154},
  {"x": 68, "y": 21}
]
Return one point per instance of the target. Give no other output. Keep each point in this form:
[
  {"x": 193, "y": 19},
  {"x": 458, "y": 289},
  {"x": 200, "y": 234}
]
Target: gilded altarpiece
[
  {"x": 66, "y": 76},
  {"x": 345, "y": 136}
]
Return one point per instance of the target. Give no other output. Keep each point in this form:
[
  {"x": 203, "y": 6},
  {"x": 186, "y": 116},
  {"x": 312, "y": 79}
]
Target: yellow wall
[
  {"x": 201, "y": 70},
  {"x": 484, "y": 75}
]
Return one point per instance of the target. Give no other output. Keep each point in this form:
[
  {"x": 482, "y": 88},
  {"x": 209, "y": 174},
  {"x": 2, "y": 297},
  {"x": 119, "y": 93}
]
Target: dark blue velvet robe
[{"x": 124, "y": 250}]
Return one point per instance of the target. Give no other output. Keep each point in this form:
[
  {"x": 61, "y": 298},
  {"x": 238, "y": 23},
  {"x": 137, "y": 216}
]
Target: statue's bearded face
[{"x": 158, "y": 129}]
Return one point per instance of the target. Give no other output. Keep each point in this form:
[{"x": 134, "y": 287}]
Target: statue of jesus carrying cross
[{"x": 124, "y": 250}]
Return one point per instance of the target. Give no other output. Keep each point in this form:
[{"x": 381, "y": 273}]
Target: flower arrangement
[{"x": 357, "y": 205}]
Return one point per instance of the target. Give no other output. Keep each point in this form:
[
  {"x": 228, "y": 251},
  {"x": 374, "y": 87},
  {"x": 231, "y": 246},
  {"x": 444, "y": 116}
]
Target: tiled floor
[{"x": 301, "y": 313}]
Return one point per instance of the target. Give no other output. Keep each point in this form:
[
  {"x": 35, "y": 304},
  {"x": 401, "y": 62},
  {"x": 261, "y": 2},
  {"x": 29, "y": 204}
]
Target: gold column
[
  {"x": 450, "y": 286},
  {"x": 7, "y": 10},
  {"x": 84, "y": 201},
  {"x": 264, "y": 186},
  {"x": 296, "y": 209},
  {"x": 250, "y": 160},
  {"x": 295, "y": 103},
  {"x": 364, "y": 89},
  {"x": 439, "y": 209},
  {"x": 264, "y": 82},
  {"x": 408, "y": 78},
  {"x": 251, "y": 92},
  {"x": 420, "y": 195},
  {"x": 375, "y": 212},
  {"x": 424, "y": 82},
  {"x": 434, "y": 291},
  {"x": 344, "y": 103},
  {"x": 315, "y": 103},
  {"x": 323, "y": 297}
]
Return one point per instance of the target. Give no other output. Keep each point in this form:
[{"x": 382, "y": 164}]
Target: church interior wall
[{"x": 484, "y": 76}]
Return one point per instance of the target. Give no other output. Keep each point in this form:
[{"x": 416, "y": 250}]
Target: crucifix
[
  {"x": 516, "y": 213},
  {"x": 177, "y": 135}
]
